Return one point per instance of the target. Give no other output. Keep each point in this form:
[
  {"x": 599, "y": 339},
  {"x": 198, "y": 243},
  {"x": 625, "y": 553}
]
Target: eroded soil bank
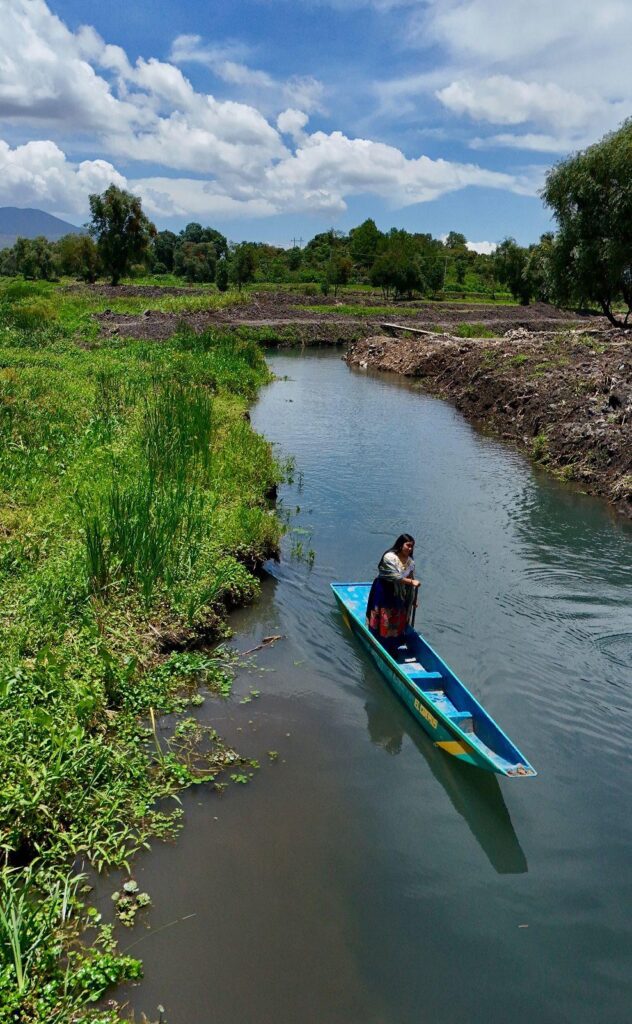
[{"x": 564, "y": 398}]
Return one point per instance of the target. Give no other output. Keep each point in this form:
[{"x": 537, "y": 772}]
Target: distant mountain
[{"x": 15, "y": 222}]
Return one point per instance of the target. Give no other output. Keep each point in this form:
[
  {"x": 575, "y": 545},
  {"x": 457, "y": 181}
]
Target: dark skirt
[{"x": 386, "y": 612}]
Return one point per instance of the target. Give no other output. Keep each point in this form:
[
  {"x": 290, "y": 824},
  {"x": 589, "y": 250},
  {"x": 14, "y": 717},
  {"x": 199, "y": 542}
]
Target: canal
[{"x": 363, "y": 876}]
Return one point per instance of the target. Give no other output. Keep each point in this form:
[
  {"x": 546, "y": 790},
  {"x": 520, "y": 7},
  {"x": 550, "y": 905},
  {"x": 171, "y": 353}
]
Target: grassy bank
[{"x": 132, "y": 509}]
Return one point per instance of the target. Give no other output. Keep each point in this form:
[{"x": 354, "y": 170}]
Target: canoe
[{"x": 435, "y": 696}]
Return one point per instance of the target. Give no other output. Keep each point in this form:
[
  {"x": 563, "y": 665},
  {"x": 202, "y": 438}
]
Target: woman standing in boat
[{"x": 393, "y": 592}]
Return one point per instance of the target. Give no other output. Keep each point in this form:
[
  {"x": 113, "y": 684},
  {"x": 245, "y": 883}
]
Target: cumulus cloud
[
  {"x": 483, "y": 248},
  {"x": 504, "y": 100},
  {"x": 230, "y": 158},
  {"x": 320, "y": 174},
  {"x": 39, "y": 174},
  {"x": 553, "y": 68},
  {"x": 292, "y": 122},
  {"x": 44, "y": 74}
]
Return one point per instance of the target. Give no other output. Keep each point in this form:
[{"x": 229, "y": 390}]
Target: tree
[
  {"x": 194, "y": 232},
  {"x": 433, "y": 272},
  {"x": 591, "y": 197},
  {"x": 510, "y": 261},
  {"x": 455, "y": 240},
  {"x": 196, "y": 261},
  {"x": 363, "y": 243},
  {"x": 294, "y": 258},
  {"x": 539, "y": 269},
  {"x": 339, "y": 271},
  {"x": 244, "y": 264},
  {"x": 221, "y": 275},
  {"x": 396, "y": 271},
  {"x": 8, "y": 265},
  {"x": 163, "y": 248},
  {"x": 34, "y": 258},
  {"x": 122, "y": 231},
  {"x": 78, "y": 257}
]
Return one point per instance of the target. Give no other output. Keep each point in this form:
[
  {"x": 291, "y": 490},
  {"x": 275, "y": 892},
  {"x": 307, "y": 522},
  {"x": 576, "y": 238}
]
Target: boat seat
[
  {"x": 417, "y": 671},
  {"x": 463, "y": 719}
]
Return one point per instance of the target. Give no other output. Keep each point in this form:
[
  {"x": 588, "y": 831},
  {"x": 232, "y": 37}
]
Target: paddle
[{"x": 414, "y": 609}]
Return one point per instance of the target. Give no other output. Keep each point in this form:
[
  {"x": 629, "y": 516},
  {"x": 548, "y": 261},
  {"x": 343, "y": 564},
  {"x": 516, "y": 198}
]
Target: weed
[
  {"x": 474, "y": 331},
  {"x": 540, "y": 447}
]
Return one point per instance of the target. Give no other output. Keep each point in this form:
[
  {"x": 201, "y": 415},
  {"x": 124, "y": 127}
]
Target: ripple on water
[{"x": 617, "y": 647}]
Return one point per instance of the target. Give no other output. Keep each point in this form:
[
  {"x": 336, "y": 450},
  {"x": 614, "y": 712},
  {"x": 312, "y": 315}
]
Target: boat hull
[{"x": 480, "y": 742}]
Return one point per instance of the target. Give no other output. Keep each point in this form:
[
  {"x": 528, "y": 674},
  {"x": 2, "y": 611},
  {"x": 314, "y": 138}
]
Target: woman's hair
[{"x": 399, "y": 543}]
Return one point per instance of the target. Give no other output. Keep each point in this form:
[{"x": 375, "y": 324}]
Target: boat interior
[{"x": 448, "y": 695}]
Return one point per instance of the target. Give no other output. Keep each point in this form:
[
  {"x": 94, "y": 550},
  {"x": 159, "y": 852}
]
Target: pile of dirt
[{"x": 563, "y": 397}]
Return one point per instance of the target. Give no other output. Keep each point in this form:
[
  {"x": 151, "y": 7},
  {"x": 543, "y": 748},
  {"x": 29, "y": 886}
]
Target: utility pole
[{"x": 296, "y": 242}]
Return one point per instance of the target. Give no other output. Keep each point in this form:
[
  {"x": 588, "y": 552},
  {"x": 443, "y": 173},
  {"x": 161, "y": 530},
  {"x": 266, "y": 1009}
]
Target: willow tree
[{"x": 591, "y": 196}]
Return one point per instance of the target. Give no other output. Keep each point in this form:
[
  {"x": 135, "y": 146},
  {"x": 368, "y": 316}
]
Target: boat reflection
[{"x": 476, "y": 795}]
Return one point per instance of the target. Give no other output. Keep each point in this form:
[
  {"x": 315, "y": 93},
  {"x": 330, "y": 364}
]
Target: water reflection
[{"x": 476, "y": 795}]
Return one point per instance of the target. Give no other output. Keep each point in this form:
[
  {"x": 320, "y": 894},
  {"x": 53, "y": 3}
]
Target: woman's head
[{"x": 404, "y": 543}]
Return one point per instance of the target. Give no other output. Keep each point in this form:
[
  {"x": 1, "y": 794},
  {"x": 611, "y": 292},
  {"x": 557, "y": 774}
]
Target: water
[{"x": 364, "y": 877}]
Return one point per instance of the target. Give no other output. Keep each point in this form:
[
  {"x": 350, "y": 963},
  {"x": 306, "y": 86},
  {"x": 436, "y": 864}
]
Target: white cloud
[
  {"x": 317, "y": 178},
  {"x": 500, "y": 99},
  {"x": 304, "y": 91},
  {"x": 232, "y": 160},
  {"x": 292, "y": 122},
  {"x": 39, "y": 174},
  {"x": 556, "y": 69},
  {"x": 44, "y": 76},
  {"x": 483, "y": 248}
]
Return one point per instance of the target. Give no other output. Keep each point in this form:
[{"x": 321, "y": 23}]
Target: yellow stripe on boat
[{"x": 454, "y": 747}]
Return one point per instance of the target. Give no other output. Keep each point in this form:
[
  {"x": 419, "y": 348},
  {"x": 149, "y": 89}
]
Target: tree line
[
  {"x": 587, "y": 261},
  {"x": 122, "y": 241}
]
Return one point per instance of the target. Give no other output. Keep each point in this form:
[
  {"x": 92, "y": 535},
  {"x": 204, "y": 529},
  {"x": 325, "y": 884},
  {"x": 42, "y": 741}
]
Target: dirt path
[{"x": 565, "y": 397}]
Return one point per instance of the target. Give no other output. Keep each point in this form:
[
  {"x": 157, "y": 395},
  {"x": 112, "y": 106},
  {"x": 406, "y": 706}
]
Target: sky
[{"x": 272, "y": 120}]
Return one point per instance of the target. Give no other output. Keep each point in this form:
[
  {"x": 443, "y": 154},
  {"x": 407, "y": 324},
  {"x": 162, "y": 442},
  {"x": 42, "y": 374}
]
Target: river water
[{"x": 363, "y": 876}]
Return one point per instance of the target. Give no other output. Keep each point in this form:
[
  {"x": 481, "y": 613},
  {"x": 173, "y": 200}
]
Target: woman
[{"x": 393, "y": 592}]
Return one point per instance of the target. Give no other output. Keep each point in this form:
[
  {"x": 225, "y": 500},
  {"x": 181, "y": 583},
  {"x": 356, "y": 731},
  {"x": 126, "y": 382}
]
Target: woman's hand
[{"x": 415, "y": 583}]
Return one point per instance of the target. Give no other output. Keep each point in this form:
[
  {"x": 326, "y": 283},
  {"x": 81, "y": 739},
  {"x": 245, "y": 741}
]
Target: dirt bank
[
  {"x": 287, "y": 318},
  {"x": 565, "y": 398}
]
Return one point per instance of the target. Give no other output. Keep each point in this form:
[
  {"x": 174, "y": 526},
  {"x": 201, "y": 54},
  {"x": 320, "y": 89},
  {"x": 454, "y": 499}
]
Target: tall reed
[
  {"x": 27, "y": 920},
  {"x": 152, "y": 524}
]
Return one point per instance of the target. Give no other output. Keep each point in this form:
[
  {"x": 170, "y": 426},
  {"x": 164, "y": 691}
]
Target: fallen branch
[{"x": 266, "y": 642}]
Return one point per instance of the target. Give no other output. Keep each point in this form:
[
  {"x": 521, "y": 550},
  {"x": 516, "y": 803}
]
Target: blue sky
[{"x": 275, "y": 119}]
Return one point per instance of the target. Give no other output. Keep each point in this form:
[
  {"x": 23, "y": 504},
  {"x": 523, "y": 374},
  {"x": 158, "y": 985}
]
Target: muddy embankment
[
  {"x": 564, "y": 397},
  {"x": 291, "y": 318}
]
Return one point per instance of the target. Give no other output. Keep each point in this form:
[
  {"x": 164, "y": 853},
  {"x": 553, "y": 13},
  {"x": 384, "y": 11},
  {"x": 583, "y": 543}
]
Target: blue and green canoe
[{"x": 434, "y": 695}]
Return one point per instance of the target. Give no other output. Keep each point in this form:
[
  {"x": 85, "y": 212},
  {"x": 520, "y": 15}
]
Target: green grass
[
  {"x": 28, "y": 304},
  {"x": 474, "y": 331},
  {"x": 132, "y": 495}
]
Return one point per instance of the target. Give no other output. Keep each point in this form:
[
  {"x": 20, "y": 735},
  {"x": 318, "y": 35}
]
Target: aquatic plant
[{"x": 132, "y": 500}]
